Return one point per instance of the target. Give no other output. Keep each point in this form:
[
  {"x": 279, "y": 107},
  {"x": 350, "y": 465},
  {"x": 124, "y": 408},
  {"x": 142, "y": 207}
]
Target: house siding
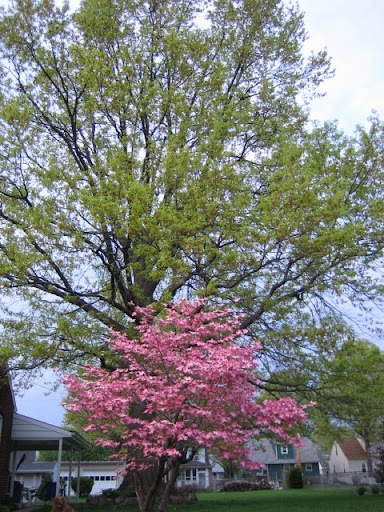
[
  {"x": 338, "y": 462},
  {"x": 7, "y": 408},
  {"x": 348, "y": 461}
]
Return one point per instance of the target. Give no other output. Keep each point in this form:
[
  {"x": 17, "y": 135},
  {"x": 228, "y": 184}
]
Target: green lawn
[
  {"x": 340, "y": 500},
  {"x": 287, "y": 501}
]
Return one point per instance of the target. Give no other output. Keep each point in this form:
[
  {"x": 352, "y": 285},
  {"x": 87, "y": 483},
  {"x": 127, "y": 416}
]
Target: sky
[{"x": 351, "y": 31}]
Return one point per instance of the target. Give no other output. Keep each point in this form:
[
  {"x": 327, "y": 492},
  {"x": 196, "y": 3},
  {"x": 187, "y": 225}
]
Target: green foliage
[
  {"x": 244, "y": 485},
  {"x": 41, "y": 492},
  {"x": 361, "y": 490},
  {"x": 352, "y": 386},
  {"x": 295, "y": 478},
  {"x": 86, "y": 484},
  {"x": 8, "y": 504},
  {"x": 112, "y": 493}
]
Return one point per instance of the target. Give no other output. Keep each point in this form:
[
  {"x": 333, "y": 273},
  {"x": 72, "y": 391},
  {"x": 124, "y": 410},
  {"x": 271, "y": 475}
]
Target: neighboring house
[
  {"x": 21, "y": 433},
  {"x": 202, "y": 472},
  {"x": 348, "y": 461},
  {"x": 279, "y": 458},
  {"x": 30, "y": 472},
  {"x": 105, "y": 474}
]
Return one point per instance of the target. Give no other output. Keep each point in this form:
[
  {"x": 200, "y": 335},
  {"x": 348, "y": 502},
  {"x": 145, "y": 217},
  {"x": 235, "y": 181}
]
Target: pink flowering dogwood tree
[{"x": 189, "y": 380}]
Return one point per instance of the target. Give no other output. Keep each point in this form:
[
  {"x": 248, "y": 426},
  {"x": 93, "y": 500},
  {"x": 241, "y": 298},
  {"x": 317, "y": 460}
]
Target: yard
[{"x": 340, "y": 500}]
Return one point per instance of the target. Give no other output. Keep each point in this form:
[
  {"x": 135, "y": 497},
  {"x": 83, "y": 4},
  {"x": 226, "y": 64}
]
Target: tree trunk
[
  {"x": 174, "y": 473},
  {"x": 147, "y": 486},
  {"x": 368, "y": 449}
]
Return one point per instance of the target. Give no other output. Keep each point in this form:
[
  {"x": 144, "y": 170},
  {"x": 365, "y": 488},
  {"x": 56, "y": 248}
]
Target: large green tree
[
  {"x": 155, "y": 149},
  {"x": 351, "y": 392}
]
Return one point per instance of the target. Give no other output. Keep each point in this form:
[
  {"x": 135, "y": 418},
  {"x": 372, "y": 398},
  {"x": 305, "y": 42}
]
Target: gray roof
[
  {"x": 195, "y": 464},
  {"x": 263, "y": 451},
  {"x": 31, "y": 434},
  {"x": 36, "y": 467}
]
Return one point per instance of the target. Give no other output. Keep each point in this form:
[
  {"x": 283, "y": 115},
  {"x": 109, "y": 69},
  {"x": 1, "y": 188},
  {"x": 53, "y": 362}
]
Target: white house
[
  {"x": 348, "y": 460},
  {"x": 202, "y": 472},
  {"x": 105, "y": 474}
]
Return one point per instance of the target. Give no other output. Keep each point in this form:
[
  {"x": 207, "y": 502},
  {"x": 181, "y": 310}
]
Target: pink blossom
[{"x": 184, "y": 383}]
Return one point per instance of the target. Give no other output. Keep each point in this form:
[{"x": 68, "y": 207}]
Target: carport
[{"x": 29, "y": 434}]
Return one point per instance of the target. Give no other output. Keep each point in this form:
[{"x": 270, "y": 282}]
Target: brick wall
[{"x": 6, "y": 410}]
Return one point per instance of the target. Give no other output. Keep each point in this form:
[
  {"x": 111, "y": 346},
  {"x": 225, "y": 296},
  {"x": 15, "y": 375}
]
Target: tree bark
[{"x": 174, "y": 473}]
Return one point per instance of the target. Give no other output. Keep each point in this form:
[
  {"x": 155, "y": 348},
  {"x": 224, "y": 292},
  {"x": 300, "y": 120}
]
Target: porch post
[
  {"x": 70, "y": 473},
  {"x": 78, "y": 476},
  {"x": 59, "y": 456}
]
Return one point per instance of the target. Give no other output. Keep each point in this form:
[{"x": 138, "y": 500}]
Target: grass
[
  {"x": 305, "y": 500},
  {"x": 287, "y": 501}
]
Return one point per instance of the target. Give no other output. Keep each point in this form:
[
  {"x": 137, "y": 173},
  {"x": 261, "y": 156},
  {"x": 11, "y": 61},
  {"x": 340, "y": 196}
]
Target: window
[
  {"x": 308, "y": 467},
  {"x": 191, "y": 475},
  {"x": 1, "y": 425},
  {"x": 363, "y": 467},
  {"x": 284, "y": 450}
]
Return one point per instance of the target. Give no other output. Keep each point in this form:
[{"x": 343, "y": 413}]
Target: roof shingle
[{"x": 352, "y": 449}]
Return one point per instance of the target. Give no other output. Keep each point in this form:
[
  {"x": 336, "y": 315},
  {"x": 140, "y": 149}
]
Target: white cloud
[{"x": 351, "y": 30}]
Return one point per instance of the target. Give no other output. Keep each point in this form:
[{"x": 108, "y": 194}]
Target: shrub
[
  {"x": 295, "y": 478},
  {"x": 8, "y": 504},
  {"x": 245, "y": 485},
  {"x": 86, "y": 484},
  {"x": 42, "y": 492},
  {"x": 185, "y": 489},
  {"x": 361, "y": 490},
  {"x": 110, "y": 493},
  {"x": 375, "y": 489}
]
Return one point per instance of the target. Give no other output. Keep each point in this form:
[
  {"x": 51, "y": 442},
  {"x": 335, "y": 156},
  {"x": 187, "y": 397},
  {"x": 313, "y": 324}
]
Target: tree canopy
[
  {"x": 351, "y": 388},
  {"x": 152, "y": 150},
  {"x": 188, "y": 384}
]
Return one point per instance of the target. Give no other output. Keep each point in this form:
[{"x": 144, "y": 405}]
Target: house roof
[
  {"x": 36, "y": 467},
  {"x": 263, "y": 451},
  {"x": 352, "y": 449},
  {"x": 31, "y": 434},
  {"x": 195, "y": 464},
  {"x": 26, "y": 463}
]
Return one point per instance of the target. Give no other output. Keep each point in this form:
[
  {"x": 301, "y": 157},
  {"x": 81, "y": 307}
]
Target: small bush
[
  {"x": 42, "y": 492},
  {"x": 183, "y": 490},
  {"x": 110, "y": 493},
  {"x": 129, "y": 493},
  {"x": 295, "y": 478},
  {"x": 245, "y": 485},
  {"x": 8, "y": 503},
  {"x": 375, "y": 489},
  {"x": 361, "y": 490},
  {"x": 86, "y": 484}
]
